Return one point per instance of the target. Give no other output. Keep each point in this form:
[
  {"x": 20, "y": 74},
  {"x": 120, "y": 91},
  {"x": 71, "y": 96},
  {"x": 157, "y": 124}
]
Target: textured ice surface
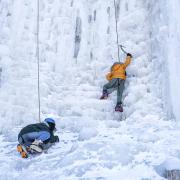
[{"x": 94, "y": 143}]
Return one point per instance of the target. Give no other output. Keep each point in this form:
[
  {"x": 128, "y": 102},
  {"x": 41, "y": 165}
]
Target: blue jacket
[{"x": 39, "y": 131}]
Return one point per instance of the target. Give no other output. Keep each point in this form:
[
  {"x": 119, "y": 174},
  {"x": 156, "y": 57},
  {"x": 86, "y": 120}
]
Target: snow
[
  {"x": 87, "y": 133},
  {"x": 172, "y": 163},
  {"x": 77, "y": 48}
]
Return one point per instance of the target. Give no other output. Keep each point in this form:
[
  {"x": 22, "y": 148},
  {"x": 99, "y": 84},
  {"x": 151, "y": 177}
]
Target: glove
[
  {"x": 128, "y": 54},
  {"x": 56, "y": 138}
]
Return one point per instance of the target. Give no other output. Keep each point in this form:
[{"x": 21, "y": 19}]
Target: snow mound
[
  {"x": 87, "y": 133},
  {"x": 172, "y": 163}
]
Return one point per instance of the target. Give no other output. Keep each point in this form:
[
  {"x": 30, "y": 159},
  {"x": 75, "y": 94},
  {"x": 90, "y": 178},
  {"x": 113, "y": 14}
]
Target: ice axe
[{"x": 122, "y": 48}]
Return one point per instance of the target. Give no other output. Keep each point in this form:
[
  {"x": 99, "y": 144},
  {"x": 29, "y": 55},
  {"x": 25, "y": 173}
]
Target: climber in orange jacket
[{"x": 116, "y": 78}]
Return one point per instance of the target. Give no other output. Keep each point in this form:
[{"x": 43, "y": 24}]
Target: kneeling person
[{"x": 37, "y": 137}]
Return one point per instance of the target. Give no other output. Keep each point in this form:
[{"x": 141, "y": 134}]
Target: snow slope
[{"x": 77, "y": 47}]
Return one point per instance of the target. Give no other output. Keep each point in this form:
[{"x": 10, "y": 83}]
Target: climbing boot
[
  {"x": 36, "y": 146},
  {"x": 22, "y": 150},
  {"x": 118, "y": 108},
  {"x": 104, "y": 95}
]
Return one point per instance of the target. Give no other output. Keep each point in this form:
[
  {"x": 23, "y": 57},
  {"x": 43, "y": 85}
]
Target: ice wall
[
  {"x": 157, "y": 50},
  {"x": 76, "y": 36},
  {"x": 173, "y": 55},
  {"x": 18, "y": 74},
  {"x": 165, "y": 36},
  {"x": 73, "y": 39}
]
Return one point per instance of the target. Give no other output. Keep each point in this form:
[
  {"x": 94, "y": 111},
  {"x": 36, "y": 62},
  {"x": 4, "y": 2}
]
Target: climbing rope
[
  {"x": 117, "y": 36},
  {"x": 38, "y": 63}
]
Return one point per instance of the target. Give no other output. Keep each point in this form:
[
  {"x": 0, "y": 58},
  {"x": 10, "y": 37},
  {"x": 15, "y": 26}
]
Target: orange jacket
[{"x": 118, "y": 70}]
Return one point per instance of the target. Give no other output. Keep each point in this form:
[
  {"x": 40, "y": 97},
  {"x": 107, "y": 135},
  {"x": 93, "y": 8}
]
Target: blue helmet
[
  {"x": 51, "y": 123},
  {"x": 50, "y": 120}
]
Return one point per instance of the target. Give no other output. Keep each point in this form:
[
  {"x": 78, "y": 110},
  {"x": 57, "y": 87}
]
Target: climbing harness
[
  {"x": 38, "y": 63},
  {"x": 117, "y": 36}
]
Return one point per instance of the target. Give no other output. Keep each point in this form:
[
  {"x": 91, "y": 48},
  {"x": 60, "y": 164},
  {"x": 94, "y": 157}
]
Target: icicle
[{"x": 77, "y": 36}]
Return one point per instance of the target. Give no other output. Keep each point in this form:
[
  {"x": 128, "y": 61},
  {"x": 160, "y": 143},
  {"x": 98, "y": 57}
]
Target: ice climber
[
  {"x": 35, "y": 138},
  {"x": 116, "y": 78}
]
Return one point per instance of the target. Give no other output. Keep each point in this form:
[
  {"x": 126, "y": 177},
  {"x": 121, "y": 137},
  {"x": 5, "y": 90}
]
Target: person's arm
[
  {"x": 47, "y": 137},
  {"x": 128, "y": 60},
  {"x": 44, "y": 136},
  {"x": 49, "y": 142},
  {"x": 109, "y": 76}
]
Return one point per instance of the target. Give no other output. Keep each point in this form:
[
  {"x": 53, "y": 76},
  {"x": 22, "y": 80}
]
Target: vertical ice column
[
  {"x": 118, "y": 4},
  {"x": 0, "y": 76},
  {"x": 77, "y": 36},
  {"x": 173, "y": 55}
]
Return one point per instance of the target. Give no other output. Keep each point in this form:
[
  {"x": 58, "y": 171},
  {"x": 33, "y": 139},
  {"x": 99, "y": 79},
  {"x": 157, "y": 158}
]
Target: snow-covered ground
[{"x": 77, "y": 47}]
